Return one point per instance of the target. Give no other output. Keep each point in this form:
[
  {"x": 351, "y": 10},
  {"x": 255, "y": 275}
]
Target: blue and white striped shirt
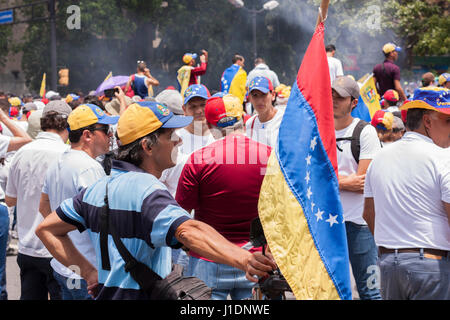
[{"x": 145, "y": 216}]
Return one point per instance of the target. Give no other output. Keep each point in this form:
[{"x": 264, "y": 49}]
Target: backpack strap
[
  {"x": 104, "y": 230},
  {"x": 148, "y": 280},
  {"x": 355, "y": 140}
]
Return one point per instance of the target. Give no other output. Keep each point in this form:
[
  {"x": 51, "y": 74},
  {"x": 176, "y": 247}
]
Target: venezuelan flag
[
  {"x": 368, "y": 102},
  {"x": 299, "y": 203},
  {"x": 183, "y": 76},
  {"x": 233, "y": 81}
]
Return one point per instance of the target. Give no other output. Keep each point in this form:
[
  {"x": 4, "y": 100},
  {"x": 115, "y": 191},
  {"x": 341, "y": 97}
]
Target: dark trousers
[{"x": 36, "y": 279}]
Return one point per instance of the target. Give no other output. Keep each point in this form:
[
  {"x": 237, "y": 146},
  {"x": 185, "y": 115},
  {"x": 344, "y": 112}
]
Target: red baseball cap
[
  {"x": 223, "y": 111},
  {"x": 391, "y": 95}
]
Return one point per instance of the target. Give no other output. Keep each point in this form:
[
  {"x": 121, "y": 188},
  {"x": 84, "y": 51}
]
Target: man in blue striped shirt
[{"x": 145, "y": 215}]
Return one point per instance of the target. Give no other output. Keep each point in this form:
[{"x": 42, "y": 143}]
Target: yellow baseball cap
[
  {"x": 87, "y": 114},
  {"x": 389, "y": 47},
  {"x": 142, "y": 118}
]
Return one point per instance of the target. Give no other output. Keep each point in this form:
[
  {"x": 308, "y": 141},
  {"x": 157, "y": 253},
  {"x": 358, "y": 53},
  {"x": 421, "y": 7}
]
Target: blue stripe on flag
[{"x": 311, "y": 177}]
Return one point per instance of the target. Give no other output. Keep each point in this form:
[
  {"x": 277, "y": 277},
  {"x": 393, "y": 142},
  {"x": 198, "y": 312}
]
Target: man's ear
[
  {"x": 354, "y": 103},
  {"x": 426, "y": 120},
  {"x": 274, "y": 95},
  {"x": 147, "y": 150},
  {"x": 184, "y": 109}
]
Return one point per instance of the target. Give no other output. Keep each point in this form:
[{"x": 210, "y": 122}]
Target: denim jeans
[
  {"x": 179, "y": 256},
  {"x": 413, "y": 276},
  {"x": 4, "y": 232},
  {"x": 78, "y": 288},
  {"x": 223, "y": 279},
  {"x": 363, "y": 258},
  {"x": 36, "y": 279}
]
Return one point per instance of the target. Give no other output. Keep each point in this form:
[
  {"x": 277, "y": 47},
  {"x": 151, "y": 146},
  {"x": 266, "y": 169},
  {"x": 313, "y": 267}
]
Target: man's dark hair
[
  {"x": 133, "y": 152},
  {"x": 54, "y": 121},
  {"x": 5, "y": 105},
  {"x": 94, "y": 100},
  {"x": 75, "y": 135},
  {"x": 330, "y": 48},
  {"x": 414, "y": 118},
  {"x": 259, "y": 61},
  {"x": 237, "y": 57},
  {"x": 75, "y": 103},
  {"x": 141, "y": 66}
]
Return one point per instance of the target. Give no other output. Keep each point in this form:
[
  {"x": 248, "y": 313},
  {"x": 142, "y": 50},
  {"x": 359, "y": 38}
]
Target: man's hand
[
  {"x": 259, "y": 265},
  {"x": 204, "y": 56},
  {"x": 92, "y": 283},
  {"x": 353, "y": 183},
  {"x": 119, "y": 95}
]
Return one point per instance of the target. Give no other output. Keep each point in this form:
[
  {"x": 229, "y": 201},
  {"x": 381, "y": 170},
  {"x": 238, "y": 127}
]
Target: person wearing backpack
[{"x": 357, "y": 143}]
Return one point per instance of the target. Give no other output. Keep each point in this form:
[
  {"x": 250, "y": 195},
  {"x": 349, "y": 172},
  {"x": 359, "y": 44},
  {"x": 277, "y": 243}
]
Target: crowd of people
[{"x": 182, "y": 172}]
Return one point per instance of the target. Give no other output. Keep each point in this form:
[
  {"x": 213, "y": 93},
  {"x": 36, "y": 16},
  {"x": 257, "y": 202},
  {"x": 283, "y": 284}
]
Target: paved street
[{"x": 12, "y": 276}]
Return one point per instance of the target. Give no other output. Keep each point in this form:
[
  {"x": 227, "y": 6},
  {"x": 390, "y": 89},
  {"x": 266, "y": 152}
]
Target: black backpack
[{"x": 355, "y": 139}]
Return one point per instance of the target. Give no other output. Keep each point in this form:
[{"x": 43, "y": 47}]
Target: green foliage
[
  {"x": 5, "y": 38},
  {"x": 425, "y": 25}
]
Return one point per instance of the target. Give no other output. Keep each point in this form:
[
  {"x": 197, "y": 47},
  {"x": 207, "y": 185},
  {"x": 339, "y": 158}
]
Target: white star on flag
[
  {"x": 307, "y": 178},
  {"x": 308, "y": 159},
  {"x": 313, "y": 143},
  {"x": 332, "y": 220},
  {"x": 309, "y": 193},
  {"x": 319, "y": 214}
]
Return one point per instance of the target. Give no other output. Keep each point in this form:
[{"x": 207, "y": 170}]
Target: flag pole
[{"x": 323, "y": 12}]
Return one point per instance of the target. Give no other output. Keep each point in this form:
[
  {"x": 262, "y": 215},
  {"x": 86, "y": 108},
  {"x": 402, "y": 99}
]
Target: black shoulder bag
[{"x": 174, "y": 287}]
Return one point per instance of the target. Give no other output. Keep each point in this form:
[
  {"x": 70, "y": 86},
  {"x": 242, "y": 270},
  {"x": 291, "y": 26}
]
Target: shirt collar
[
  {"x": 412, "y": 135},
  {"x": 125, "y": 166},
  {"x": 50, "y": 136}
]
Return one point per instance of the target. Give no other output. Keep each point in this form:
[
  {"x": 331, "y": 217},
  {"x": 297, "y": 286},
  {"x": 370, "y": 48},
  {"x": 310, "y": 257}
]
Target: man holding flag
[
  {"x": 299, "y": 204},
  {"x": 234, "y": 78}
]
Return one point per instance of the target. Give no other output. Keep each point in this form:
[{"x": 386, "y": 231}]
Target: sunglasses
[{"x": 105, "y": 129}]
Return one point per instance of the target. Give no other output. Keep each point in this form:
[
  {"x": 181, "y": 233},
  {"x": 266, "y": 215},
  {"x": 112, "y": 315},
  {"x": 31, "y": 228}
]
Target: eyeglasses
[
  {"x": 140, "y": 61},
  {"x": 105, "y": 129}
]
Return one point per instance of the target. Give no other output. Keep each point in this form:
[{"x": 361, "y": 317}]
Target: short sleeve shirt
[
  {"x": 352, "y": 202},
  {"x": 409, "y": 180},
  {"x": 146, "y": 217},
  {"x": 386, "y": 78}
]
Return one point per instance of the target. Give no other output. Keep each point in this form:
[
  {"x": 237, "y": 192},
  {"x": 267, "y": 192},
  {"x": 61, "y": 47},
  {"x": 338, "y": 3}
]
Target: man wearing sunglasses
[{"x": 90, "y": 136}]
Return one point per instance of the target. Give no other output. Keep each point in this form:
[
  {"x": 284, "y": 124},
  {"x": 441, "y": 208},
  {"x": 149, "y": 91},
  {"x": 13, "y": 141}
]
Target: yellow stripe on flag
[
  {"x": 370, "y": 96},
  {"x": 42, "y": 90},
  {"x": 108, "y": 76},
  {"x": 296, "y": 255}
]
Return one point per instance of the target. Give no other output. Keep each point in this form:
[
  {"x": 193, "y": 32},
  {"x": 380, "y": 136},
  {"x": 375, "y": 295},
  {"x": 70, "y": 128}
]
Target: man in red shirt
[
  {"x": 196, "y": 71},
  {"x": 221, "y": 182}
]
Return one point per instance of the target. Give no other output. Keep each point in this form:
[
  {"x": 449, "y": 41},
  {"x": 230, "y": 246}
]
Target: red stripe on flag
[{"x": 313, "y": 80}]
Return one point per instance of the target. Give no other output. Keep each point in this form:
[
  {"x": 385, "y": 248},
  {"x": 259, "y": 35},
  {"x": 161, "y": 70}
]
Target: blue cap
[
  {"x": 219, "y": 94},
  {"x": 87, "y": 114},
  {"x": 262, "y": 84},
  {"x": 196, "y": 90}
]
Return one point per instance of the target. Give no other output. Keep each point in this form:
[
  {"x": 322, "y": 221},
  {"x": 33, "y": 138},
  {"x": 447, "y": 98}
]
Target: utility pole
[{"x": 52, "y": 10}]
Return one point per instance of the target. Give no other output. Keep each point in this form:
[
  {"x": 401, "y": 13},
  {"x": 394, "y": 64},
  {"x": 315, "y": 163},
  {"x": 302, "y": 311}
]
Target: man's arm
[
  {"x": 151, "y": 81},
  {"x": 369, "y": 214},
  {"x": 53, "y": 234},
  {"x": 20, "y": 137},
  {"x": 399, "y": 89},
  {"x": 447, "y": 209},
  {"x": 207, "y": 242},
  {"x": 44, "y": 205},
  {"x": 10, "y": 201},
  {"x": 128, "y": 85},
  {"x": 198, "y": 71}
]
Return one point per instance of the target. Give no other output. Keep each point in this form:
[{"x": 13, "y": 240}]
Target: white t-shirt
[
  {"x": 25, "y": 180},
  {"x": 409, "y": 180},
  {"x": 4, "y": 144},
  {"x": 21, "y": 124},
  {"x": 353, "y": 202},
  {"x": 73, "y": 171},
  {"x": 190, "y": 144},
  {"x": 265, "y": 132},
  {"x": 335, "y": 67}
]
